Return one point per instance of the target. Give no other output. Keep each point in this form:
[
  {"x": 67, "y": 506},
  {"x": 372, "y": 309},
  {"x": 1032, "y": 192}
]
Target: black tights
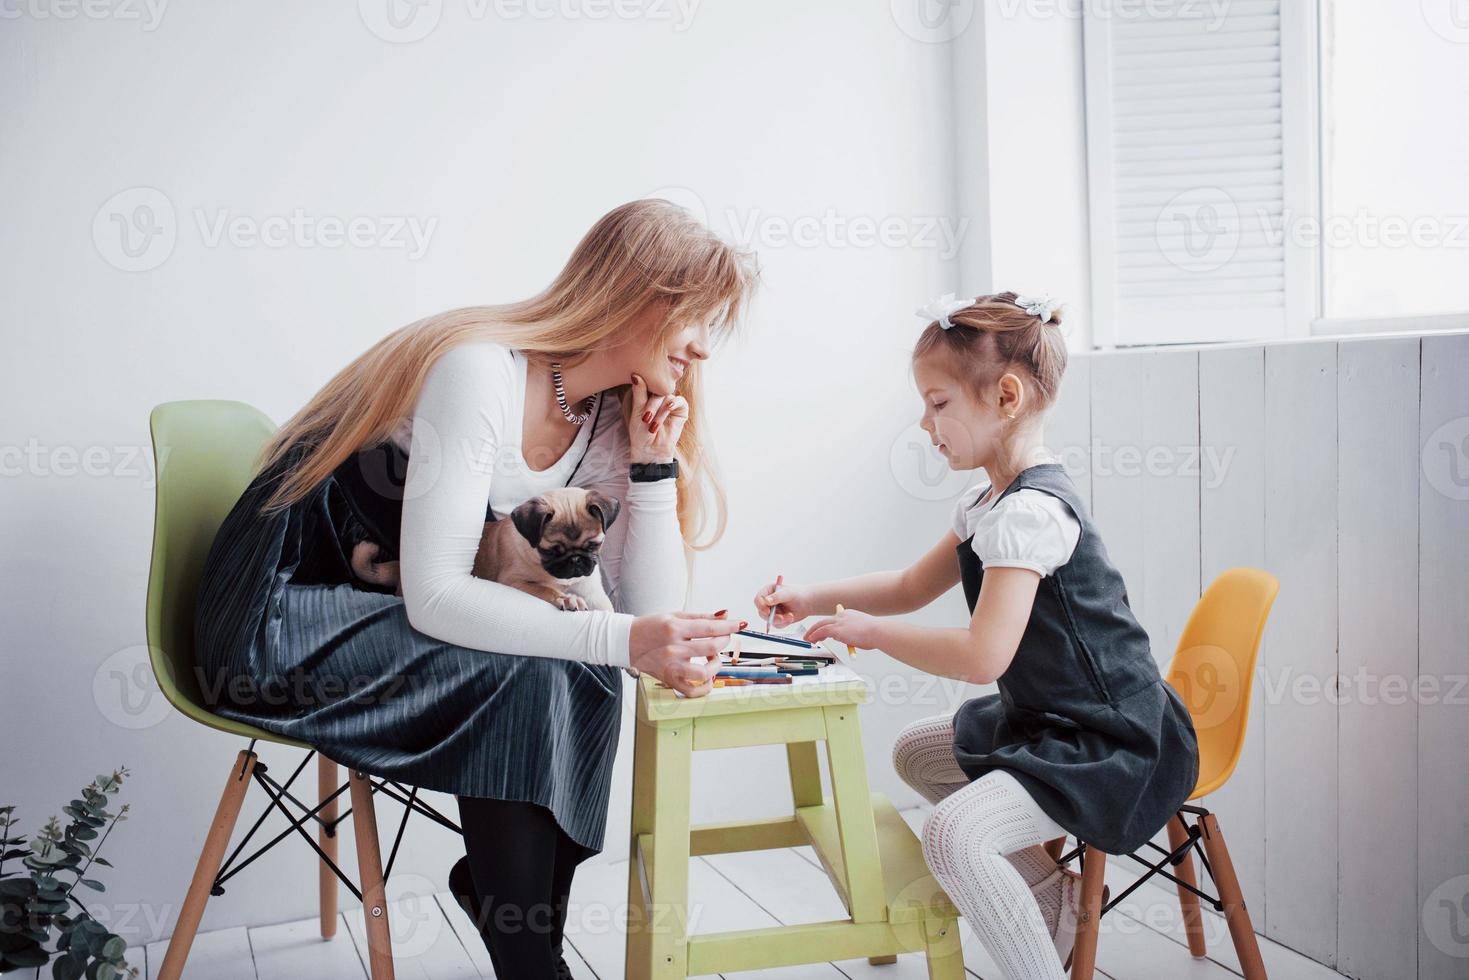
[{"x": 521, "y": 863}]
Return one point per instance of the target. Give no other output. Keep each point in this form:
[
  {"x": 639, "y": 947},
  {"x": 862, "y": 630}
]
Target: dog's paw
[{"x": 571, "y": 602}]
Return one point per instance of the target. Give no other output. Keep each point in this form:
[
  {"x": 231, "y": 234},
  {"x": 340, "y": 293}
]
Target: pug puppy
[{"x": 549, "y": 548}]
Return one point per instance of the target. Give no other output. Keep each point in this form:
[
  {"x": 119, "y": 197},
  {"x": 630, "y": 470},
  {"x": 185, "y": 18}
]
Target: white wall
[
  {"x": 1020, "y": 135},
  {"x": 506, "y": 137}
]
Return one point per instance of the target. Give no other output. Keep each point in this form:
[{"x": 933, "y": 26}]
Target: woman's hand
[
  {"x": 791, "y": 604},
  {"x": 666, "y": 645},
  {"x": 848, "y": 626},
  {"x": 655, "y": 425}
]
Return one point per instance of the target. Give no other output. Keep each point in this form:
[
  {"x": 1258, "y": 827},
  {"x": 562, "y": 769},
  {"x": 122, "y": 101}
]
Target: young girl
[{"x": 1083, "y": 738}]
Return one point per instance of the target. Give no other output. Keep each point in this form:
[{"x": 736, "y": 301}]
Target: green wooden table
[{"x": 871, "y": 855}]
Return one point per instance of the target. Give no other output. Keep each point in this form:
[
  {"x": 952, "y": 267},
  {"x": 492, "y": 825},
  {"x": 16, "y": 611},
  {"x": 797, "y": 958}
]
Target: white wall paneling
[
  {"x": 1145, "y": 482},
  {"x": 1300, "y": 647},
  {"x": 1232, "y": 534},
  {"x": 1443, "y": 661},
  {"x": 1377, "y": 717}
]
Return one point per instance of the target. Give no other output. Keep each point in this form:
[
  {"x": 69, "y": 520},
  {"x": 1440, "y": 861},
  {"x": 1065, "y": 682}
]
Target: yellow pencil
[{"x": 851, "y": 650}]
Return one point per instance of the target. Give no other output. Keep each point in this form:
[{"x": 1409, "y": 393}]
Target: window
[
  {"x": 1256, "y": 165},
  {"x": 1395, "y": 158}
]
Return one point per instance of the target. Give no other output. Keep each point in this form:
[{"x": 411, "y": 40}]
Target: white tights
[{"x": 983, "y": 845}]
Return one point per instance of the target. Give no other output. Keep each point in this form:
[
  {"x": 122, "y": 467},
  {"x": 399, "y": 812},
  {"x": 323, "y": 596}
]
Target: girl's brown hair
[
  {"x": 641, "y": 253},
  {"x": 994, "y": 334}
]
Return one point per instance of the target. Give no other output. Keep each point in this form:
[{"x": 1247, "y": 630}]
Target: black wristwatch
[{"x": 649, "y": 472}]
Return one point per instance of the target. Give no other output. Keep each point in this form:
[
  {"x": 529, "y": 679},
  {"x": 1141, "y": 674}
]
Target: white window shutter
[{"x": 1201, "y": 160}]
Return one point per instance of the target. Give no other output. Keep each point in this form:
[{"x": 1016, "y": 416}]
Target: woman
[{"x": 461, "y": 684}]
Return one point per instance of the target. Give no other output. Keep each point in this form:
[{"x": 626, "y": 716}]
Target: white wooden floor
[{"x": 1141, "y": 940}]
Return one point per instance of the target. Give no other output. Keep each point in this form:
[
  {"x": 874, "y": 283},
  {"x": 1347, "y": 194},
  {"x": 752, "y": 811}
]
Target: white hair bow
[
  {"x": 942, "y": 308},
  {"x": 1041, "y": 306}
]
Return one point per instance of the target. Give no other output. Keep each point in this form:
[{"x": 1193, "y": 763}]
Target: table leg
[
  {"x": 805, "y": 774},
  {"x": 945, "y": 951},
  {"x": 666, "y": 924},
  {"x": 644, "y": 764},
  {"x": 856, "y": 826}
]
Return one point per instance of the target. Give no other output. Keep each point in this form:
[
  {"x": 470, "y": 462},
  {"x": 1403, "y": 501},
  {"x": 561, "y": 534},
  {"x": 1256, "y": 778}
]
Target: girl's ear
[{"x": 1012, "y": 395}]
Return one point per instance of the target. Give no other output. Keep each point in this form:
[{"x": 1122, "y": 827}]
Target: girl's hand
[
  {"x": 790, "y": 603},
  {"x": 655, "y": 424},
  {"x": 848, "y": 626},
  {"x": 668, "y": 644}
]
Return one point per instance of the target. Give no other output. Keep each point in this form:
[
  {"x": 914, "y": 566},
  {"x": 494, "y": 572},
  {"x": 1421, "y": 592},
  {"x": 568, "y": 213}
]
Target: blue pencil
[
  {"x": 736, "y": 672},
  {"x": 776, "y": 637}
]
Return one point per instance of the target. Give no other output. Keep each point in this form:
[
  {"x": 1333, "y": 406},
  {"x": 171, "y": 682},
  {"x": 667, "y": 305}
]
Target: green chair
[{"x": 207, "y": 453}]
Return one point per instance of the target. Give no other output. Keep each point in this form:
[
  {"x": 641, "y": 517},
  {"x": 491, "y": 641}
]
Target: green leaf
[
  {"x": 94, "y": 884},
  {"x": 114, "y": 948},
  {"x": 102, "y": 861},
  {"x": 28, "y": 956},
  {"x": 106, "y": 971},
  {"x": 18, "y": 887},
  {"x": 84, "y": 833},
  {"x": 67, "y": 967}
]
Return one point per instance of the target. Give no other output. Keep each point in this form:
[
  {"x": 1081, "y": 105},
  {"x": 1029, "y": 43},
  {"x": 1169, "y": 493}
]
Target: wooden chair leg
[
  {"x": 883, "y": 960},
  {"x": 370, "y": 870},
  {"x": 1240, "y": 929},
  {"x": 1188, "y": 902},
  {"x": 1055, "y": 848},
  {"x": 326, "y": 785},
  {"x": 1093, "y": 875},
  {"x": 210, "y": 859}
]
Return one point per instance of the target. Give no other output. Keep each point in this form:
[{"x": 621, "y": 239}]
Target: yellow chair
[
  {"x": 1212, "y": 670},
  {"x": 206, "y": 455}
]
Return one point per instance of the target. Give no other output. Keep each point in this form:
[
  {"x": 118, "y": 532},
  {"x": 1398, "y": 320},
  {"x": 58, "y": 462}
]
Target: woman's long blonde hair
[{"x": 641, "y": 253}]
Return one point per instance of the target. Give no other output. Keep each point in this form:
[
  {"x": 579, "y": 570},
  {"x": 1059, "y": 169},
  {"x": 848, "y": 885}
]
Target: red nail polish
[
  {"x": 720, "y": 613},
  {"x": 744, "y": 624},
  {"x": 647, "y": 416}
]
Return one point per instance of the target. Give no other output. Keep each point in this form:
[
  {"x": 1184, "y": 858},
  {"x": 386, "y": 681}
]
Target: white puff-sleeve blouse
[
  {"x": 1027, "y": 529},
  {"x": 464, "y": 452}
]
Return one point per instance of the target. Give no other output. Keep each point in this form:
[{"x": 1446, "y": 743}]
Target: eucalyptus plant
[{"x": 39, "y": 899}]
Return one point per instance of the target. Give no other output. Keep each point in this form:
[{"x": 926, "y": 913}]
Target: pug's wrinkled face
[{"x": 566, "y": 527}]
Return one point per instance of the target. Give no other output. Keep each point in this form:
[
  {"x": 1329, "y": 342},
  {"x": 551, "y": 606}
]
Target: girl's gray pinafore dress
[
  {"x": 1083, "y": 719},
  {"x": 289, "y": 640}
]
